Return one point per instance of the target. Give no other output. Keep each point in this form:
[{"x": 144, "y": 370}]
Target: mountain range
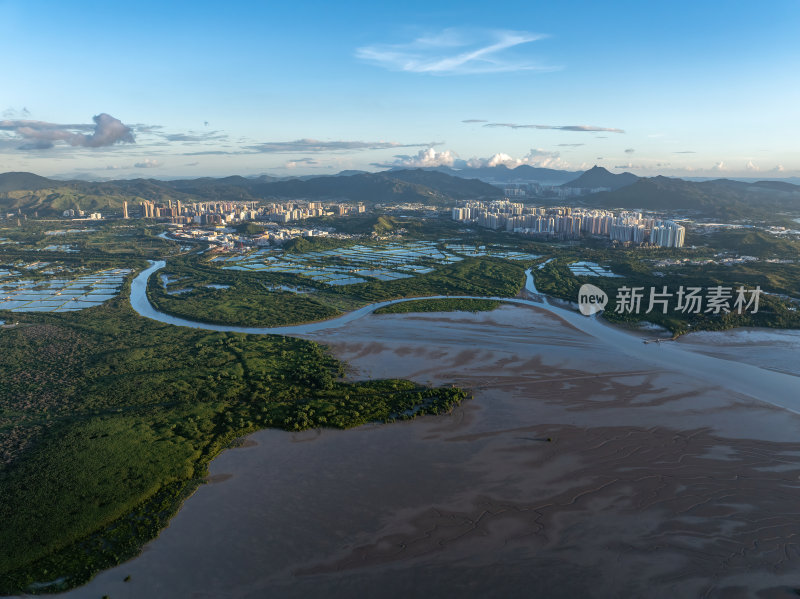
[
  {"x": 723, "y": 198},
  {"x": 31, "y": 193},
  {"x": 501, "y": 174},
  {"x": 718, "y": 198}
]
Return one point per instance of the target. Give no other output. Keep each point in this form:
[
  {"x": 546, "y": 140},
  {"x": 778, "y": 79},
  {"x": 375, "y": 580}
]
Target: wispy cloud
[
  {"x": 13, "y": 113},
  {"x": 214, "y": 153},
  {"x": 40, "y": 135},
  {"x": 570, "y": 145},
  {"x": 630, "y": 151},
  {"x": 456, "y": 52},
  {"x": 195, "y": 136},
  {"x": 474, "y": 121},
  {"x": 584, "y": 128},
  {"x": 315, "y": 145},
  {"x": 685, "y": 152}
]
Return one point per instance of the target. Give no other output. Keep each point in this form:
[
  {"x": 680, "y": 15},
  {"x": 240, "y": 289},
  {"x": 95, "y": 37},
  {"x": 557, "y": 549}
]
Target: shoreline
[
  {"x": 783, "y": 387},
  {"x": 639, "y": 457}
]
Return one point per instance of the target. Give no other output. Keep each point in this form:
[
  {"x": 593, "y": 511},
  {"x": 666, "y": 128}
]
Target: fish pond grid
[
  {"x": 60, "y": 294},
  {"x": 360, "y": 263}
]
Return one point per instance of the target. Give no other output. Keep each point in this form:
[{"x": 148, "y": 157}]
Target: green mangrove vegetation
[
  {"x": 776, "y": 308},
  {"x": 440, "y": 305},
  {"x": 189, "y": 287},
  {"x": 108, "y": 421}
]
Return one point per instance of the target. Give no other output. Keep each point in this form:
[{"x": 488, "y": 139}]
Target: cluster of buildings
[
  {"x": 565, "y": 222},
  {"x": 229, "y": 239},
  {"x": 215, "y": 213},
  {"x": 80, "y": 214},
  {"x": 201, "y": 213},
  {"x": 537, "y": 190},
  {"x": 294, "y": 211}
]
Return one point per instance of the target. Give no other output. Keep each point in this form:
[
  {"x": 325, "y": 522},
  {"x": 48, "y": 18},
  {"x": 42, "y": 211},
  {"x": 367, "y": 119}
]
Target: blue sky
[{"x": 101, "y": 89}]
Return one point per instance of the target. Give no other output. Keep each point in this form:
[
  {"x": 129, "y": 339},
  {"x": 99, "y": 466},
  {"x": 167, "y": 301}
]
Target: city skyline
[{"x": 195, "y": 90}]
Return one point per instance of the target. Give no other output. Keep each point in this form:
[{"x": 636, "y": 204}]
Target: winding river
[{"x": 776, "y": 388}]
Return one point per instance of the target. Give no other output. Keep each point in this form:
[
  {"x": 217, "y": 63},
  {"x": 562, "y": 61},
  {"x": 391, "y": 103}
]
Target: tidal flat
[{"x": 577, "y": 470}]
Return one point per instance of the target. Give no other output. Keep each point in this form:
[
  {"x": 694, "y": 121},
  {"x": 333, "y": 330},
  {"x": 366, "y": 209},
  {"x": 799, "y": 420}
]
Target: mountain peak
[{"x": 597, "y": 176}]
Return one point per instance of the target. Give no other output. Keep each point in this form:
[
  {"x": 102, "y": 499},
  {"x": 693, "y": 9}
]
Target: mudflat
[{"x": 577, "y": 470}]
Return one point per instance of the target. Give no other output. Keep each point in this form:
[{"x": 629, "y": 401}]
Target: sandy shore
[{"x": 576, "y": 471}]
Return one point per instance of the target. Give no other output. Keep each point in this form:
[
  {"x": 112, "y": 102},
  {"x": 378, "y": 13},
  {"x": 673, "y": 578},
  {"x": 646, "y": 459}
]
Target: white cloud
[
  {"x": 536, "y": 157},
  {"x": 40, "y": 135},
  {"x": 297, "y": 161},
  {"x": 148, "y": 163},
  {"x": 751, "y": 167},
  {"x": 779, "y": 168},
  {"x": 455, "y": 52},
  {"x": 426, "y": 159},
  {"x": 430, "y": 158},
  {"x": 719, "y": 166}
]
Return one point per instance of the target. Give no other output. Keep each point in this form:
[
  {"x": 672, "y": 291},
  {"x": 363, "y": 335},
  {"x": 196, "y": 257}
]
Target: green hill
[
  {"x": 14, "y": 181},
  {"x": 721, "y": 198},
  {"x": 29, "y": 192},
  {"x": 597, "y": 176}
]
